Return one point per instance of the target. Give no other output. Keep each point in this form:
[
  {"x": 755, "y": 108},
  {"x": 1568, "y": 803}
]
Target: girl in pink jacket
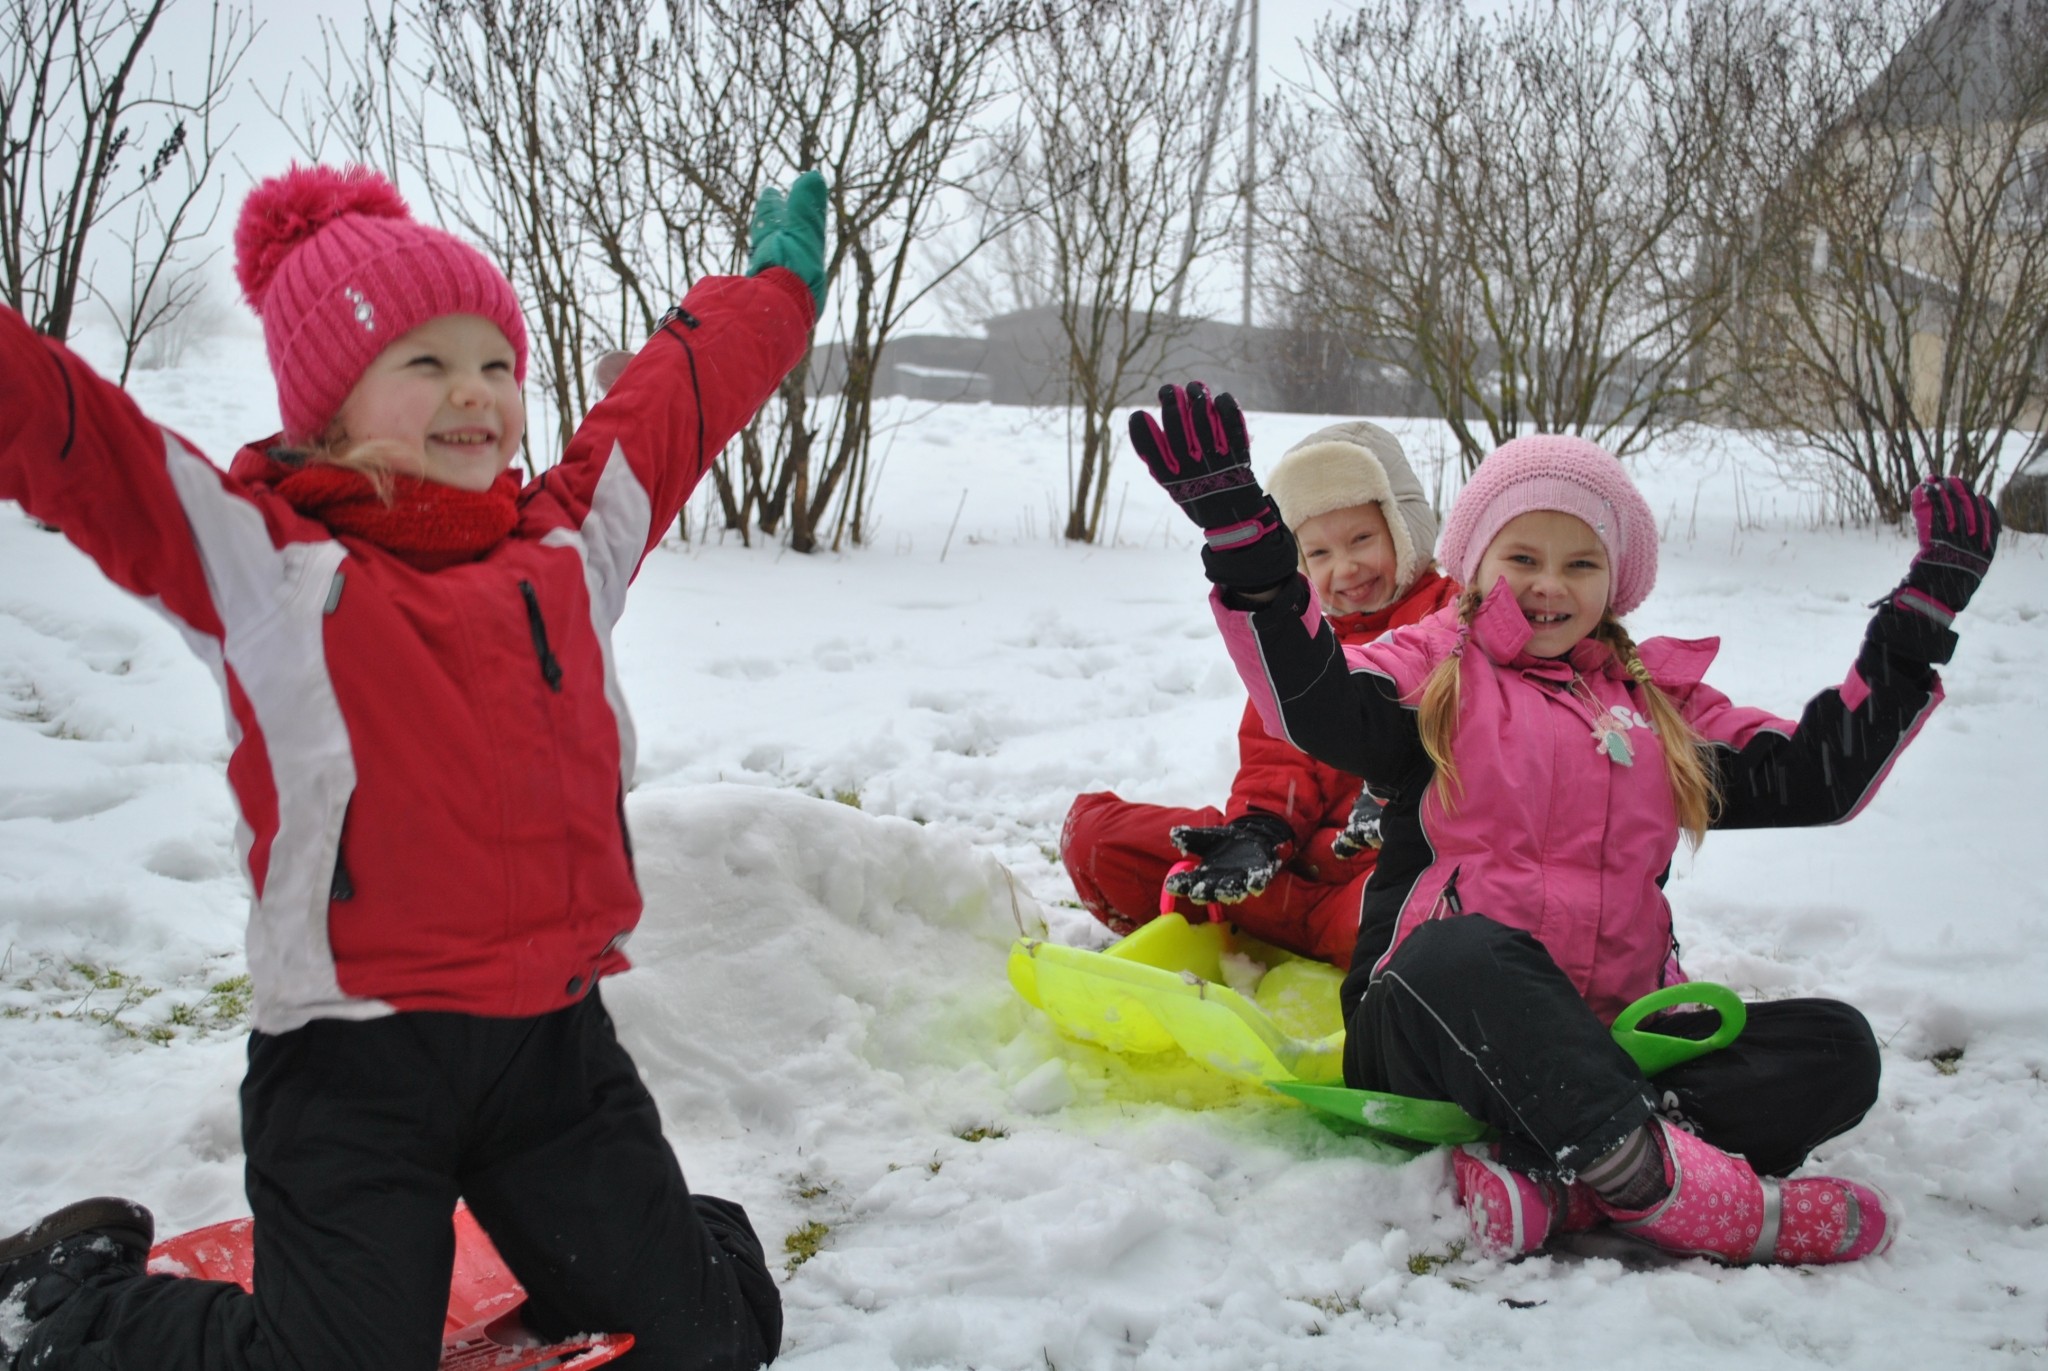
[
  {"x": 431, "y": 758},
  {"x": 1542, "y": 767}
]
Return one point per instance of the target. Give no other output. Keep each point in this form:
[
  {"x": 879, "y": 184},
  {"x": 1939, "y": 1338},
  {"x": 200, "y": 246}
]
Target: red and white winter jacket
[{"x": 431, "y": 766}]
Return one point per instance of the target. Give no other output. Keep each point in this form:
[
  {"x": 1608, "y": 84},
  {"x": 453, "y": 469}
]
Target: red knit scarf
[{"x": 426, "y": 524}]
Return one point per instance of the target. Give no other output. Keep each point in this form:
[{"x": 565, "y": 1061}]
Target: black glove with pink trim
[
  {"x": 1958, "y": 537},
  {"x": 1199, "y": 452}
]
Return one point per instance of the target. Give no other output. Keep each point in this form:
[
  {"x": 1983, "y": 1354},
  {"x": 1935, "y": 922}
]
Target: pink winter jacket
[{"x": 1549, "y": 834}]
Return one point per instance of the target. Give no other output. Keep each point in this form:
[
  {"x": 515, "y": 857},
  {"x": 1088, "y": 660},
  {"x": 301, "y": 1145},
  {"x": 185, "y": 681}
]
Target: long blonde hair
[
  {"x": 1694, "y": 788},
  {"x": 376, "y": 460}
]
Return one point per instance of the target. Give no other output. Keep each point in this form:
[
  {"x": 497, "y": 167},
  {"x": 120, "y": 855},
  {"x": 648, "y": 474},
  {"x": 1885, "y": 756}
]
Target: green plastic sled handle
[
  {"x": 1655, "y": 1052},
  {"x": 1412, "y": 1120}
]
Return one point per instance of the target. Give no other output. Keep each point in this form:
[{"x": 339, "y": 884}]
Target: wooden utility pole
[{"x": 1216, "y": 99}]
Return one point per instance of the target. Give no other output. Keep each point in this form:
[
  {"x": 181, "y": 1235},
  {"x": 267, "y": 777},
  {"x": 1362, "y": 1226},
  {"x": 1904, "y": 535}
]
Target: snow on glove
[
  {"x": 1958, "y": 535},
  {"x": 1237, "y": 860},
  {"x": 1199, "y": 452},
  {"x": 790, "y": 233},
  {"x": 1362, "y": 830}
]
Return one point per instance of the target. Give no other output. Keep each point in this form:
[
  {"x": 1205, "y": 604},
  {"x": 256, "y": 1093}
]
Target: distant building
[{"x": 1020, "y": 361}]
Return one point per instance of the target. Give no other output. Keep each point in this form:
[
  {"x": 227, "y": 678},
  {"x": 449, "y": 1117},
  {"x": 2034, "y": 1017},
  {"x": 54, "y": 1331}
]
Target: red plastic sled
[{"x": 483, "y": 1328}]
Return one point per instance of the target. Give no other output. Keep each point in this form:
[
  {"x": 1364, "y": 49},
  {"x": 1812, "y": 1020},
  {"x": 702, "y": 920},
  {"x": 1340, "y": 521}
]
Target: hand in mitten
[
  {"x": 1362, "y": 830},
  {"x": 790, "y": 233},
  {"x": 1958, "y": 536},
  {"x": 1199, "y": 452},
  {"x": 1236, "y": 860}
]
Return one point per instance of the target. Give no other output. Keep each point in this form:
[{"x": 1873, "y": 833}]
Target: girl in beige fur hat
[{"x": 1290, "y": 853}]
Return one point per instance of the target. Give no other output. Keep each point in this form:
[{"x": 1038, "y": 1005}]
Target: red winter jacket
[
  {"x": 431, "y": 766},
  {"x": 1275, "y": 777}
]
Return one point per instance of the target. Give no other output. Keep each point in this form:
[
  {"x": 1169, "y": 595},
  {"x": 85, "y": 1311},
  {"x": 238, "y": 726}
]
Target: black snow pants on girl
[
  {"x": 360, "y": 1138},
  {"x": 1471, "y": 1011}
]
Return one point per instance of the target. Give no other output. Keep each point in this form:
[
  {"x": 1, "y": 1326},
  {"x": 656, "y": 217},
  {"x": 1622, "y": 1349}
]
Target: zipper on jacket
[
  {"x": 1447, "y": 901},
  {"x": 550, "y": 669},
  {"x": 677, "y": 314},
  {"x": 342, "y": 886}
]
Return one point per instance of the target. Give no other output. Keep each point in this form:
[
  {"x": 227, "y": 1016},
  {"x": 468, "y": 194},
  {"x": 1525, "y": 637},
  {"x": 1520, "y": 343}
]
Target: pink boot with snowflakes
[
  {"x": 1720, "y": 1208},
  {"x": 1512, "y": 1214}
]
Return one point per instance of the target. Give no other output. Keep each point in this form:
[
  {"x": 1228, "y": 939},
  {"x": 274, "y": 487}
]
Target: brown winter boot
[{"x": 53, "y": 1258}]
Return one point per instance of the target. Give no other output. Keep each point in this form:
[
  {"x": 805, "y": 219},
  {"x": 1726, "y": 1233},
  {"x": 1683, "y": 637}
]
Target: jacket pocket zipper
[
  {"x": 550, "y": 669},
  {"x": 342, "y": 886}
]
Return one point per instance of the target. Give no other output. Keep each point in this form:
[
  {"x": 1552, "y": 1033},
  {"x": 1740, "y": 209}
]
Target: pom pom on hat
[
  {"x": 1358, "y": 463},
  {"x": 337, "y": 268},
  {"x": 1568, "y": 475},
  {"x": 287, "y": 210}
]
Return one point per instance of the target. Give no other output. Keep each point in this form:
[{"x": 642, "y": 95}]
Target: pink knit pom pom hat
[
  {"x": 1555, "y": 471},
  {"x": 337, "y": 268}
]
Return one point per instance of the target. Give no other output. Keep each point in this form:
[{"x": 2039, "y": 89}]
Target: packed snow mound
[{"x": 793, "y": 947}]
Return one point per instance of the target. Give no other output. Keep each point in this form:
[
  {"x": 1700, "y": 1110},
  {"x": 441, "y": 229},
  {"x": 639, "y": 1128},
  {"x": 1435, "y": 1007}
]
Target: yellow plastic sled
[{"x": 1162, "y": 988}]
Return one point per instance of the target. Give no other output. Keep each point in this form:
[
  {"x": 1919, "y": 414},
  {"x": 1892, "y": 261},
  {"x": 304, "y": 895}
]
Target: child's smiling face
[
  {"x": 446, "y": 393},
  {"x": 1557, "y": 568},
  {"x": 1349, "y": 555}
]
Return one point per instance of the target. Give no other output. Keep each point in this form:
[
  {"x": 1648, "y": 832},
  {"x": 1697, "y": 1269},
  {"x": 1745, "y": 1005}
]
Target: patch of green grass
[
  {"x": 803, "y": 1244},
  {"x": 1947, "y": 1060},
  {"x": 1429, "y": 1263},
  {"x": 982, "y": 1133},
  {"x": 1336, "y": 1306},
  {"x": 77, "y": 989},
  {"x": 229, "y": 1000}
]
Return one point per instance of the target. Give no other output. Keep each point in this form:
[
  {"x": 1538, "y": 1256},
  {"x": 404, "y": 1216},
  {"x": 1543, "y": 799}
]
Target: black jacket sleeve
[
  {"x": 1352, "y": 720},
  {"x": 1847, "y": 738}
]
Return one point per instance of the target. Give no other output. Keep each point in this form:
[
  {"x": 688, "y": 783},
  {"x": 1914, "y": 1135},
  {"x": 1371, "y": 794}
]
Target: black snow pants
[
  {"x": 1471, "y": 1011},
  {"x": 360, "y": 1138}
]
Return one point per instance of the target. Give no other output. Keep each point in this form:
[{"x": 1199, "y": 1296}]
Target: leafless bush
[
  {"x": 1897, "y": 325},
  {"x": 98, "y": 138},
  {"x": 1521, "y": 211},
  {"x": 1096, "y": 196},
  {"x": 610, "y": 152}
]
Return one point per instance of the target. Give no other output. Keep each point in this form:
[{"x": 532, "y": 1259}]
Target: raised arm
[
  {"x": 78, "y": 454},
  {"x": 1342, "y": 708},
  {"x": 715, "y": 360},
  {"x": 1826, "y": 768}
]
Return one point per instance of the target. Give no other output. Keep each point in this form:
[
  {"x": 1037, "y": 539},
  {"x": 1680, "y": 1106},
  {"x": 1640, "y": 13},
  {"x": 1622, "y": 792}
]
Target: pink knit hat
[
  {"x": 337, "y": 268},
  {"x": 1555, "y": 471}
]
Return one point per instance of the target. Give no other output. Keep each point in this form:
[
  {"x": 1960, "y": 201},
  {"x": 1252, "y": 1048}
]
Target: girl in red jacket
[
  {"x": 1542, "y": 767},
  {"x": 431, "y": 757},
  {"x": 1290, "y": 854}
]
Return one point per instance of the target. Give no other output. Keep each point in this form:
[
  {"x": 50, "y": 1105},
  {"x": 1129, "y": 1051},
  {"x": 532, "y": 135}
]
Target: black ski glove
[
  {"x": 1362, "y": 830},
  {"x": 1237, "y": 860},
  {"x": 1958, "y": 537},
  {"x": 1202, "y": 456}
]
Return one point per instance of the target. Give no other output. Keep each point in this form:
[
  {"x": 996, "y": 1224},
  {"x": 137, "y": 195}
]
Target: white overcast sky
[{"x": 289, "y": 38}]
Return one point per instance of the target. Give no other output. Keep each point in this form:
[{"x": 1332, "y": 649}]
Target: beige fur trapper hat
[{"x": 1350, "y": 464}]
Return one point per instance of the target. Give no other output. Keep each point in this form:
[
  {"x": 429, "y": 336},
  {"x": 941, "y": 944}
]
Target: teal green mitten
[{"x": 790, "y": 233}]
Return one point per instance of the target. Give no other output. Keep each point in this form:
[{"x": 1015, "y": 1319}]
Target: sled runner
[
  {"x": 483, "y": 1328},
  {"x": 1163, "y": 988}
]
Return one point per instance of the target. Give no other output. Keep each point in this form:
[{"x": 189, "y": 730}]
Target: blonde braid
[
  {"x": 1694, "y": 790},
  {"x": 1436, "y": 711}
]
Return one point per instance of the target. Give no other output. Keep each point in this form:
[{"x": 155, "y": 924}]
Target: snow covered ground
[{"x": 853, "y": 770}]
